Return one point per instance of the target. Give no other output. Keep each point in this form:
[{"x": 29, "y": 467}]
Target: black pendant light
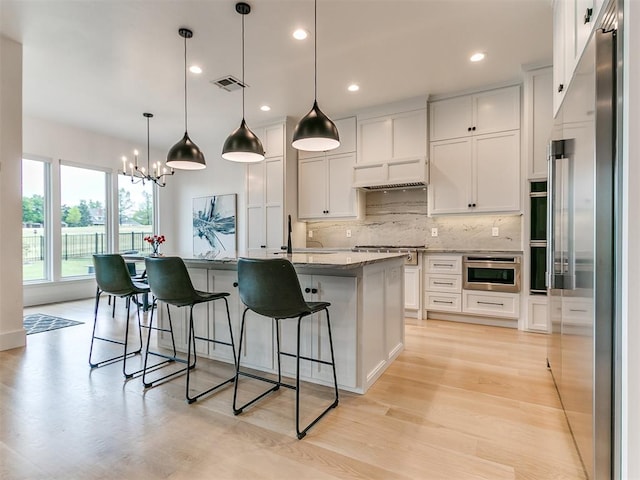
[
  {"x": 315, "y": 131},
  {"x": 185, "y": 154},
  {"x": 243, "y": 145}
]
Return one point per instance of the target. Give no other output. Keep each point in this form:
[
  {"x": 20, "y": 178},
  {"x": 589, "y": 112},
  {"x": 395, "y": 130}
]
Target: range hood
[{"x": 410, "y": 173}]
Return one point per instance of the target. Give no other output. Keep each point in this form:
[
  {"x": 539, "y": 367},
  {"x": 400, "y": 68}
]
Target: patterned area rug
[{"x": 39, "y": 322}]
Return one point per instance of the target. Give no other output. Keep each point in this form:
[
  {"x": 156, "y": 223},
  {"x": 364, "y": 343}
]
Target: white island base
[{"x": 366, "y": 292}]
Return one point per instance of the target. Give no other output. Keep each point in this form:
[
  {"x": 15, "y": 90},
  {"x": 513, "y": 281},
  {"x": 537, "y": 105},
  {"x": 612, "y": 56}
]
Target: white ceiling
[{"x": 101, "y": 64}]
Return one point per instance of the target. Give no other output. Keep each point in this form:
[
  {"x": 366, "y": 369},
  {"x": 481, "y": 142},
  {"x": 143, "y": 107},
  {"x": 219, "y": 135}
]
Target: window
[
  {"x": 83, "y": 214},
  {"x": 135, "y": 211},
  {"x": 35, "y": 220}
]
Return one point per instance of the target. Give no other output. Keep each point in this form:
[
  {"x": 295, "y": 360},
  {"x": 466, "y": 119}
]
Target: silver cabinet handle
[
  {"x": 444, "y": 283},
  {"x": 442, "y": 301},
  {"x": 491, "y": 303},
  {"x": 578, "y": 310},
  {"x": 443, "y": 265}
]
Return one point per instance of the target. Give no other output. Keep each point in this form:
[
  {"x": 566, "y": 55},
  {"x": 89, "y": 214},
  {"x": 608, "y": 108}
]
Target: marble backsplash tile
[{"x": 400, "y": 218}]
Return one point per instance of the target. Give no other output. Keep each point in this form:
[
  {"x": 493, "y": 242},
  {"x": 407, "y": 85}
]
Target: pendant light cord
[
  {"x": 148, "y": 164},
  {"x": 243, "y": 84},
  {"x": 315, "y": 49},
  {"x": 185, "y": 84}
]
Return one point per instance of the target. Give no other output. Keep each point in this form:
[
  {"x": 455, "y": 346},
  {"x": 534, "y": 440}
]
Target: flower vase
[{"x": 155, "y": 251}]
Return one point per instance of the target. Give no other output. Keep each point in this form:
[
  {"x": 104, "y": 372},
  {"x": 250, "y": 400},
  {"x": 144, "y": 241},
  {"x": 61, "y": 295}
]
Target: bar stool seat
[
  {"x": 170, "y": 283},
  {"x": 112, "y": 278},
  {"x": 270, "y": 287}
]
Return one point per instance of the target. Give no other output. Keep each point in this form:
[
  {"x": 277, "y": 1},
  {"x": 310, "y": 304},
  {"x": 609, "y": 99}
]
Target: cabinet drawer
[
  {"x": 443, "y": 302},
  {"x": 442, "y": 282},
  {"x": 491, "y": 303},
  {"x": 444, "y": 264}
]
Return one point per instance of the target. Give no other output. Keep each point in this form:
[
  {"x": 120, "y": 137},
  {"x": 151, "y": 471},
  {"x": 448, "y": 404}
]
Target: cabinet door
[
  {"x": 497, "y": 172},
  {"x": 450, "y": 173},
  {"x": 451, "y": 118},
  {"x": 201, "y": 322},
  {"x": 225, "y": 281},
  {"x": 559, "y": 80},
  {"x": 496, "y": 110},
  {"x": 274, "y": 214},
  {"x": 411, "y": 288},
  {"x": 312, "y": 188},
  {"x": 255, "y": 180},
  {"x": 375, "y": 140},
  {"x": 341, "y": 196},
  {"x": 409, "y": 135},
  {"x": 273, "y": 141},
  {"x": 341, "y": 292},
  {"x": 540, "y": 100}
]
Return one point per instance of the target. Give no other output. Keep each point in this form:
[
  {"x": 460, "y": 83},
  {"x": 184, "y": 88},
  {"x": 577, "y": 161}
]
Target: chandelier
[{"x": 153, "y": 172}]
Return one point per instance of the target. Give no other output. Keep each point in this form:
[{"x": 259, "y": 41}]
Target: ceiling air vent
[{"x": 229, "y": 83}]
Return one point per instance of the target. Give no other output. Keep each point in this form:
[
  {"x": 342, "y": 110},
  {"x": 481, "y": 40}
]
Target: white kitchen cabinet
[
  {"x": 495, "y": 304},
  {"x": 347, "y": 131},
  {"x": 271, "y": 192},
  {"x": 478, "y": 114},
  {"x": 443, "y": 283},
  {"x": 537, "y": 318},
  {"x": 325, "y": 187},
  {"x": 394, "y": 137},
  {"x": 474, "y": 161},
  {"x": 412, "y": 287},
  {"x": 573, "y": 22},
  {"x": 478, "y": 174},
  {"x": 538, "y": 117}
]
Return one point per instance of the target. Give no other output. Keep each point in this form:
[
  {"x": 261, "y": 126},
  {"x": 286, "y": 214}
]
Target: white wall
[
  {"x": 11, "y": 332},
  {"x": 631, "y": 252}
]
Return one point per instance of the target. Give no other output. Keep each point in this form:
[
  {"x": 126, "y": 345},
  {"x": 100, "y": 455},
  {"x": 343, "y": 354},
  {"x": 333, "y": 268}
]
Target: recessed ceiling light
[
  {"x": 300, "y": 34},
  {"x": 476, "y": 57},
  {"x": 354, "y": 87},
  {"x": 195, "y": 69},
  {"x": 265, "y": 108}
]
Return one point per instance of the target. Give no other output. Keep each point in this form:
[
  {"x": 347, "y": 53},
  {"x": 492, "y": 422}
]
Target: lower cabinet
[
  {"x": 444, "y": 292},
  {"x": 412, "y": 288},
  {"x": 494, "y": 304}
]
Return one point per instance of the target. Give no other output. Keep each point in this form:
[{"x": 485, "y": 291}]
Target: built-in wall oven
[{"x": 491, "y": 272}]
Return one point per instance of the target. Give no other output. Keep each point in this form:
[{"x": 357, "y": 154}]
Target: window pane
[
  {"x": 34, "y": 241},
  {"x": 135, "y": 212},
  {"x": 84, "y": 216}
]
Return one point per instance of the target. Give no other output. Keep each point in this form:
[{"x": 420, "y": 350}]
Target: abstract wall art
[{"x": 214, "y": 226}]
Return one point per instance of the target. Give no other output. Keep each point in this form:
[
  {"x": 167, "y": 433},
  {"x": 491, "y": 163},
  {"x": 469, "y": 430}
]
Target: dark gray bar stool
[
  {"x": 170, "y": 283},
  {"x": 113, "y": 278},
  {"x": 270, "y": 287}
]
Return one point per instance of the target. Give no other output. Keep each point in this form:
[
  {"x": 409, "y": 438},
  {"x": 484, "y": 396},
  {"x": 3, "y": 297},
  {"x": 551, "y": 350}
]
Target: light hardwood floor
[{"x": 461, "y": 402}]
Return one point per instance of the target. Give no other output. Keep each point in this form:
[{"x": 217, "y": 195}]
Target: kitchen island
[{"x": 366, "y": 292}]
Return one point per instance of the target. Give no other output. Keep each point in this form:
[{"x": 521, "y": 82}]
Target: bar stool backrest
[
  {"x": 169, "y": 280},
  {"x": 112, "y": 274},
  {"x": 270, "y": 287}
]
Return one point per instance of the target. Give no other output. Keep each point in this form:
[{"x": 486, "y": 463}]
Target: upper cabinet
[
  {"x": 474, "y": 164},
  {"x": 538, "y": 119},
  {"x": 393, "y": 137},
  {"x": 478, "y": 114},
  {"x": 325, "y": 179},
  {"x": 573, "y": 22},
  {"x": 271, "y": 193}
]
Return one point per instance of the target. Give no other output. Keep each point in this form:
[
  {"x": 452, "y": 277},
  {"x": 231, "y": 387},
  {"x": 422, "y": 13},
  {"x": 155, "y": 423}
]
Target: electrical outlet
[
  {"x": 310, "y": 233},
  {"x": 495, "y": 232},
  {"x": 348, "y": 233},
  {"x": 434, "y": 232}
]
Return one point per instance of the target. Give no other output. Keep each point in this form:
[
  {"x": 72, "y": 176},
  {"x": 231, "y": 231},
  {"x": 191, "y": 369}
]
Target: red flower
[{"x": 155, "y": 239}]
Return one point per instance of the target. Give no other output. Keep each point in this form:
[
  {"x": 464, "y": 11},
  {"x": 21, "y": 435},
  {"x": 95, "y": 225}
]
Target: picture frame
[{"x": 214, "y": 226}]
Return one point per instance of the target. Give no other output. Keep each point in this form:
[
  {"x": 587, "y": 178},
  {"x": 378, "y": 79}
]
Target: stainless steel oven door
[{"x": 495, "y": 274}]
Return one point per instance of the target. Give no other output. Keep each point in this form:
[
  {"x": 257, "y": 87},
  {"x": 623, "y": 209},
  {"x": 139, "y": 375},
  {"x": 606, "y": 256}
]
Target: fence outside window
[{"x": 83, "y": 245}]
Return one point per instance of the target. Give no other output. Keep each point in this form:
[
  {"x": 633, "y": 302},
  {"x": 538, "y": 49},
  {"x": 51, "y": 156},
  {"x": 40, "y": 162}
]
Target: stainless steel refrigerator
[{"x": 582, "y": 250}]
